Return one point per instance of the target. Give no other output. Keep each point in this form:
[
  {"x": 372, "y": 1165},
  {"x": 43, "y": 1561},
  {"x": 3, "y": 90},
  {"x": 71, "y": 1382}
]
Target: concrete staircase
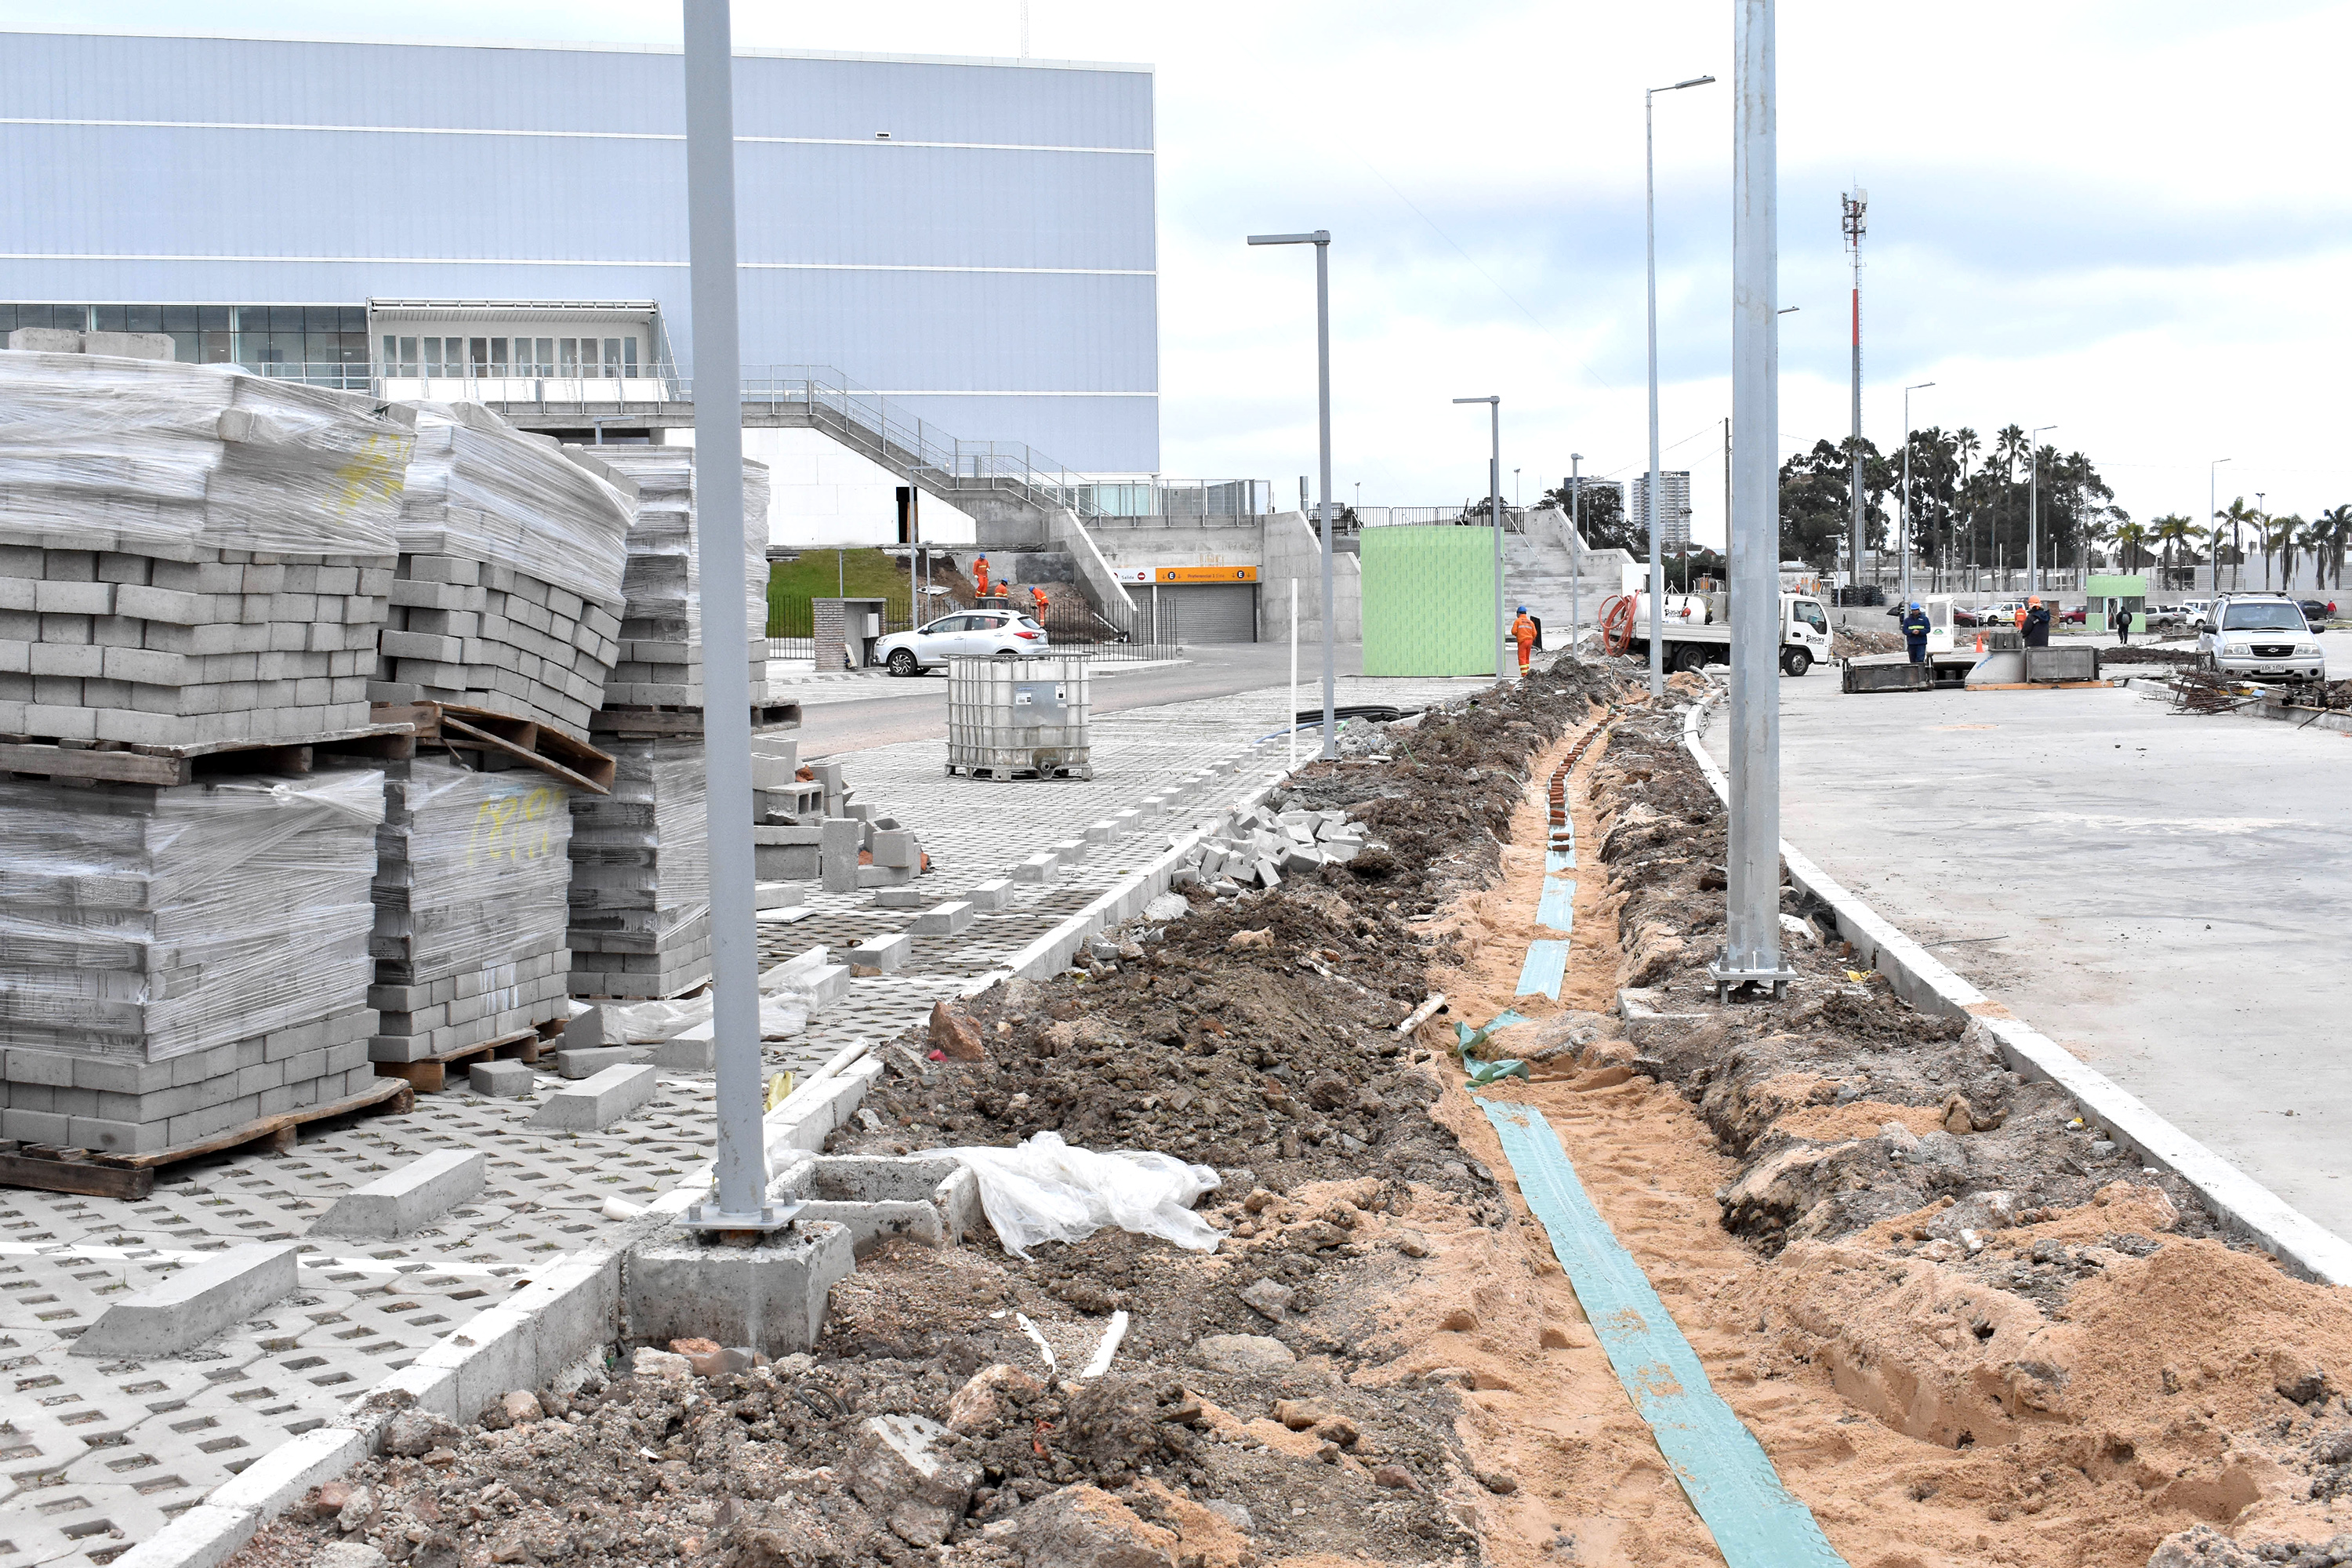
[{"x": 1537, "y": 573}]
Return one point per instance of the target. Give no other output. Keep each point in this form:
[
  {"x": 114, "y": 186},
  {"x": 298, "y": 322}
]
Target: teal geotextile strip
[
  {"x": 1546, "y": 964},
  {"x": 1558, "y": 907},
  {"x": 1722, "y": 1468}
]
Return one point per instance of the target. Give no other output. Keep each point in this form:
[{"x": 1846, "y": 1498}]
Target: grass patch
[{"x": 831, "y": 575}]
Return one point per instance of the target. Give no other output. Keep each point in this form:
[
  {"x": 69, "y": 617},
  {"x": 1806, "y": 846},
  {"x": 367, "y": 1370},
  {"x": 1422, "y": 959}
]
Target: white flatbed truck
[{"x": 1695, "y": 629}]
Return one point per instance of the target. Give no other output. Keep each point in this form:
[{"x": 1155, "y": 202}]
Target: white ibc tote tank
[{"x": 1010, "y": 717}]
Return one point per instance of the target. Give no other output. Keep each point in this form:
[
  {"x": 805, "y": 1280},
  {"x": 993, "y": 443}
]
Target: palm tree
[
  {"x": 2339, "y": 520},
  {"x": 2131, "y": 538},
  {"x": 2171, "y": 530},
  {"x": 2238, "y": 515},
  {"x": 2278, "y": 537},
  {"x": 2311, "y": 539}
]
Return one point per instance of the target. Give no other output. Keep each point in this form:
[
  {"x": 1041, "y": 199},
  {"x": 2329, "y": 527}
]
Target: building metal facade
[{"x": 974, "y": 240}]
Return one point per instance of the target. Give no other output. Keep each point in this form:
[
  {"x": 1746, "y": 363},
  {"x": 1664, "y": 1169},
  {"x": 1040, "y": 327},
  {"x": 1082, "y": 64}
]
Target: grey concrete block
[
  {"x": 780, "y": 864},
  {"x": 773, "y": 896},
  {"x": 896, "y": 848},
  {"x": 1039, "y": 868},
  {"x": 838, "y": 854},
  {"x": 1072, "y": 851},
  {"x": 770, "y": 1296},
  {"x": 597, "y": 1103},
  {"x": 503, "y": 1080},
  {"x": 695, "y": 1050},
  {"x": 827, "y": 985},
  {"x": 932, "y": 1201},
  {"x": 880, "y": 954},
  {"x": 945, "y": 920},
  {"x": 586, "y": 1064},
  {"x": 885, "y": 875},
  {"x": 1101, "y": 832},
  {"x": 194, "y": 1303},
  {"x": 900, "y": 898},
  {"x": 409, "y": 1198},
  {"x": 992, "y": 894},
  {"x": 585, "y": 1031}
]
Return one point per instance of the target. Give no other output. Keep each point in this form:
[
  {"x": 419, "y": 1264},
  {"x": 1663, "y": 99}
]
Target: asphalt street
[{"x": 2167, "y": 895}]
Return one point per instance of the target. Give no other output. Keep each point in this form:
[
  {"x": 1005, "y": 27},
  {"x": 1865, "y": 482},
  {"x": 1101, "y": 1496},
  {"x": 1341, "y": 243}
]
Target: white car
[
  {"x": 988, "y": 634},
  {"x": 2262, "y": 636}
]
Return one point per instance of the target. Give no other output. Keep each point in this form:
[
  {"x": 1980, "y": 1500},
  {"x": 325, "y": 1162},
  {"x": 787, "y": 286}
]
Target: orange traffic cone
[{"x": 1980, "y": 642}]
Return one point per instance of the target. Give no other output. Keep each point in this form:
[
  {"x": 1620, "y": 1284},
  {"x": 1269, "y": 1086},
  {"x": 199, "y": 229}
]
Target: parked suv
[
  {"x": 2262, "y": 636},
  {"x": 991, "y": 634}
]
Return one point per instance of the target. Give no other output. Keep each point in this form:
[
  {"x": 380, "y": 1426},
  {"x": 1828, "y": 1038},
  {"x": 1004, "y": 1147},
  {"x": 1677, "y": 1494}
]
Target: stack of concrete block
[
  {"x": 641, "y": 873},
  {"x": 509, "y": 592},
  {"x": 661, "y": 636},
  {"x": 189, "y": 555},
  {"x": 1262, "y": 847},
  {"x": 178, "y": 960},
  {"x": 472, "y": 890}
]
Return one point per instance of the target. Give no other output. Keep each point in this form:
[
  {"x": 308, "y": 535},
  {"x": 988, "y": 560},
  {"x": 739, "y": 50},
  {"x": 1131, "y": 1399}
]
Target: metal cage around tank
[{"x": 1019, "y": 717}]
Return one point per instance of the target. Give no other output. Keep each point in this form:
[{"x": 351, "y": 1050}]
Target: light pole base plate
[
  {"x": 707, "y": 1216},
  {"x": 1728, "y": 979}
]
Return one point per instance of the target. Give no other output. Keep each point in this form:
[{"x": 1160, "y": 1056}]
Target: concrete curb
[{"x": 2243, "y": 1205}]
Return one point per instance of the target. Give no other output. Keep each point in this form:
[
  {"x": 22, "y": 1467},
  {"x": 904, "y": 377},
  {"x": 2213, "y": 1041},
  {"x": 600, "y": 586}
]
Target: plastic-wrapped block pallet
[
  {"x": 189, "y": 554},
  {"x": 661, "y": 636},
  {"x": 641, "y": 873},
  {"x": 509, "y": 592},
  {"x": 178, "y": 960},
  {"x": 472, "y": 884}
]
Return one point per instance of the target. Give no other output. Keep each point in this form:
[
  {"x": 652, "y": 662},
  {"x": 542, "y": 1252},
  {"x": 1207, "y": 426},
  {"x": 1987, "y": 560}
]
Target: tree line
[{"x": 1972, "y": 506}]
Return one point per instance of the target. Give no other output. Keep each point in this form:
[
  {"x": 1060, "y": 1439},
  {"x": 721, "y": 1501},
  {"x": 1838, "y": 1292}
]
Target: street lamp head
[
  {"x": 1692, "y": 82},
  {"x": 1918, "y": 385},
  {"x": 1489, "y": 399},
  {"x": 1320, "y": 237}
]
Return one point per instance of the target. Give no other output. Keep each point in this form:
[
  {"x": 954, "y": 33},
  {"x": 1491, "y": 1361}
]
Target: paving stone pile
[
  {"x": 640, "y": 897},
  {"x": 189, "y": 555},
  {"x": 507, "y": 596},
  {"x": 661, "y": 656},
  {"x": 472, "y": 898},
  {"x": 177, "y": 961}
]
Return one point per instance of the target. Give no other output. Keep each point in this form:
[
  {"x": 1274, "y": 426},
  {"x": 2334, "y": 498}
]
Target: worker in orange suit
[
  {"x": 1037, "y": 603},
  {"x": 1523, "y": 632},
  {"x": 980, "y": 578}
]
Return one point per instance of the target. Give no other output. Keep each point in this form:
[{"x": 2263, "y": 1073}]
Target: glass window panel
[
  {"x": 453, "y": 353},
  {"x": 351, "y": 318},
  {"x": 285, "y": 317},
  {"x": 350, "y": 348},
  {"x": 179, "y": 319},
  {"x": 569, "y": 350},
  {"x": 8, "y": 318},
  {"x": 143, "y": 318},
  {"x": 287, "y": 347},
  {"x": 185, "y": 347},
  {"x": 433, "y": 356},
  {"x": 408, "y": 356},
  {"x": 629, "y": 357},
  {"x": 612, "y": 356},
  {"x": 497, "y": 356},
  {"x": 547, "y": 357},
  {"x": 391, "y": 353},
  {"x": 321, "y": 348},
  {"x": 215, "y": 348},
  {"x": 108, "y": 319},
  {"x": 213, "y": 318},
  {"x": 478, "y": 355}
]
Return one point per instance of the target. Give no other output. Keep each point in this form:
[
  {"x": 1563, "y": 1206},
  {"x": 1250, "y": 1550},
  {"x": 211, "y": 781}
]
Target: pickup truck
[{"x": 1695, "y": 634}]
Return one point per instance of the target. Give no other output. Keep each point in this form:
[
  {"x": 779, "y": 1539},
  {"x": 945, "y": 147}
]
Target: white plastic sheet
[
  {"x": 480, "y": 490},
  {"x": 1045, "y": 1190}
]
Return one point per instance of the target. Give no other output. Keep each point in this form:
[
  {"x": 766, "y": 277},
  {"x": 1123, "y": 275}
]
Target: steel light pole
[
  {"x": 1321, "y": 240},
  {"x": 1751, "y": 953},
  {"x": 739, "y": 1204},
  {"x": 1907, "y": 391},
  {"x": 1494, "y": 516},
  {"x": 1650, "y": 224},
  {"x": 2213, "y": 510},
  {"x": 2033, "y": 509}
]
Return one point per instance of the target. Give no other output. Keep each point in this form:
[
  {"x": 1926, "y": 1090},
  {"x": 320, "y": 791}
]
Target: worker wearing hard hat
[
  {"x": 980, "y": 578},
  {"x": 1523, "y": 632},
  {"x": 1037, "y": 603},
  {"x": 2036, "y": 623},
  {"x": 1916, "y": 627}
]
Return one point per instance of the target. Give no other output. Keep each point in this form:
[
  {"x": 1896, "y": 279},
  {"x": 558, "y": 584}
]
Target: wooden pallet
[
  {"x": 50, "y": 1169},
  {"x": 534, "y": 745},
  {"x": 119, "y": 762},
  {"x": 430, "y": 1075},
  {"x": 663, "y": 723},
  {"x": 1030, "y": 775}
]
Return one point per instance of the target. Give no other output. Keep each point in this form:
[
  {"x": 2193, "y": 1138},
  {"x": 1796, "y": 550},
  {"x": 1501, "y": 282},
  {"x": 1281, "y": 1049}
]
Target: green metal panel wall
[{"x": 1429, "y": 601}]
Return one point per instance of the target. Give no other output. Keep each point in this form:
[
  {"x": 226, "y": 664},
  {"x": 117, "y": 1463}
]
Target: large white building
[
  {"x": 1674, "y": 508},
  {"x": 948, "y": 265}
]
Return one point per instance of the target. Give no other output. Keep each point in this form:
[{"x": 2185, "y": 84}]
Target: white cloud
[{"x": 2128, "y": 217}]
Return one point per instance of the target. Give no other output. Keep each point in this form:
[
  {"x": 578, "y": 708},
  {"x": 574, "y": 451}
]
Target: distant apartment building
[{"x": 1674, "y": 508}]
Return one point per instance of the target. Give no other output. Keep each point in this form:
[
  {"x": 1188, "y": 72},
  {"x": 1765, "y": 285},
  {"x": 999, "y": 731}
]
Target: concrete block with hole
[
  {"x": 194, "y": 1303},
  {"x": 410, "y": 1198},
  {"x": 597, "y": 1103},
  {"x": 932, "y": 1201},
  {"x": 880, "y": 954}
]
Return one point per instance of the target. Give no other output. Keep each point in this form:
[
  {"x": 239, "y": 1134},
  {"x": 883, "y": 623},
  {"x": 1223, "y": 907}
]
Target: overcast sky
[{"x": 2126, "y": 219}]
